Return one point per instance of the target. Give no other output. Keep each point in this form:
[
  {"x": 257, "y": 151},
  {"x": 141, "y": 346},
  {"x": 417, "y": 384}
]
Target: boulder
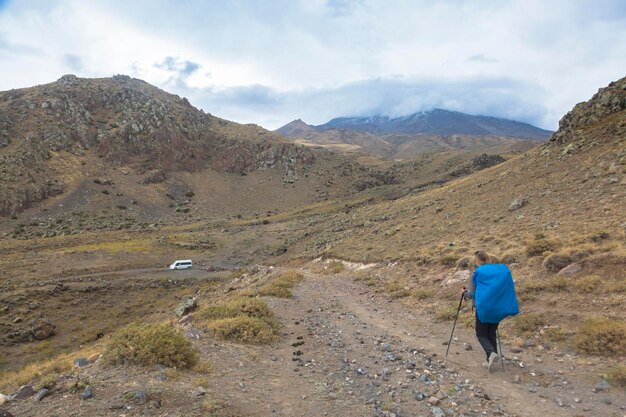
[
  {"x": 571, "y": 269},
  {"x": 42, "y": 329},
  {"x": 25, "y": 391},
  {"x": 80, "y": 362},
  {"x": 87, "y": 393},
  {"x": 3, "y": 399},
  {"x": 186, "y": 306},
  {"x": 42, "y": 394},
  {"x": 518, "y": 203}
]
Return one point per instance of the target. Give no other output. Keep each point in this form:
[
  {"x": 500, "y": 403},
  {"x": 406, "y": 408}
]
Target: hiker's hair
[{"x": 482, "y": 256}]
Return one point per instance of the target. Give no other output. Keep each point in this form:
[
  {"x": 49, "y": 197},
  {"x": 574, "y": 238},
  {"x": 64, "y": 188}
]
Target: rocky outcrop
[
  {"x": 123, "y": 120},
  {"x": 605, "y": 102}
]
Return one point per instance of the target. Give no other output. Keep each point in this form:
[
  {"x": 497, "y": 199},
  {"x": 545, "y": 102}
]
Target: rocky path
[
  {"x": 346, "y": 351},
  {"x": 350, "y": 352}
]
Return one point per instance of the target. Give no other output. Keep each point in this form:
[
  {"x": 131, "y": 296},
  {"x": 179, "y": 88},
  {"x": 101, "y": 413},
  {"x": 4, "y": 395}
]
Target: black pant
[{"x": 486, "y": 334}]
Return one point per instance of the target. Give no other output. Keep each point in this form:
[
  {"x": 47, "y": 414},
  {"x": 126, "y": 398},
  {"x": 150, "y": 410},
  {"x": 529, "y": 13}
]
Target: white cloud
[{"x": 268, "y": 62}]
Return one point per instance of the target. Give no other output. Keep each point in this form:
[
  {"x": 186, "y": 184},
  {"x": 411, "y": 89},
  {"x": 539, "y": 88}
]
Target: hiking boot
[{"x": 492, "y": 358}]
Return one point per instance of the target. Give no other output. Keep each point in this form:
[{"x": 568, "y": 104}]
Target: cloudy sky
[{"x": 269, "y": 62}]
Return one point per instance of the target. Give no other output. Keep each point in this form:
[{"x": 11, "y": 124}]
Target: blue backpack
[{"x": 494, "y": 297}]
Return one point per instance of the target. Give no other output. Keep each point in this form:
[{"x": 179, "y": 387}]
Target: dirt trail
[
  {"x": 348, "y": 351},
  {"x": 358, "y": 354}
]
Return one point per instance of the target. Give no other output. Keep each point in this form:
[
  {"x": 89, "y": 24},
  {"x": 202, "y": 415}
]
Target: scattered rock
[
  {"x": 518, "y": 203},
  {"x": 80, "y": 362},
  {"x": 420, "y": 396},
  {"x": 433, "y": 401},
  {"x": 571, "y": 269},
  {"x": 603, "y": 385},
  {"x": 42, "y": 394},
  {"x": 467, "y": 346},
  {"x": 93, "y": 358},
  {"x": 87, "y": 393},
  {"x": 140, "y": 397},
  {"x": 25, "y": 391},
  {"x": 3, "y": 399},
  {"x": 437, "y": 412},
  {"x": 42, "y": 329},
  {"x": 198, "y": 392},
  {"x": 5, "y": 414}
]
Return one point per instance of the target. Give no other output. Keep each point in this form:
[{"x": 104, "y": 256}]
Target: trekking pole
[
  {"x": 455, "y": 319},
  {"x": 500, "y": 348}
]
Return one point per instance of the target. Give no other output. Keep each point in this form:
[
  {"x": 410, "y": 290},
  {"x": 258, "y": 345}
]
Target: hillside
[{"x": 97, "y": 144}]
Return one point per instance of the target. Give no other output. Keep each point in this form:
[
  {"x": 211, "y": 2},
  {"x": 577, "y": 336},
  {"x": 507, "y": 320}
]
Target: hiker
[{"x": 493, "y": 292}]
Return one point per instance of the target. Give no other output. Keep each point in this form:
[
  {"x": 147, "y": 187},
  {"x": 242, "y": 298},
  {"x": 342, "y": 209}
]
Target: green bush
[{"x": 150, "y": 344}]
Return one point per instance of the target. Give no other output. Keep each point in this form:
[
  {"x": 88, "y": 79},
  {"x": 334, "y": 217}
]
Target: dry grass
[
  {"x": 587, "y": 284},
  {"x": 617, "y": 375},
  {"x": 242, "y": 320},
  {"x": 59, "y": 364},
  {"x": 334, "y": 267},
  {"x": 528, "y": 324},
  {"x": 539, "y": 246},
  {"x": 445, "y": 313},
  {"x": 601, "y": 336},
  {"x": 243, "y": 329},
  {"x": 422, "y": 293},
  {"x": 150, "y": 344},
  {"x": 396, "y": 290},
  {"x": 281, "y": 285}
]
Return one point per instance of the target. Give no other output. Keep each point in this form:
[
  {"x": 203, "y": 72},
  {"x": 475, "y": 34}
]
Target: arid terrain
[{"x": 323, "y": 283}]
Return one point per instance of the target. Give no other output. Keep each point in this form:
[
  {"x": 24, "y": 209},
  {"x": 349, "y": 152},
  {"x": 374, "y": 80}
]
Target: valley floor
[{"x": 347, "y": 351}]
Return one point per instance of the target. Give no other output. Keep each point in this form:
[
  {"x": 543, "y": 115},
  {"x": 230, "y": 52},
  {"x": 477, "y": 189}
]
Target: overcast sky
[{"x": 269, "y": 62}]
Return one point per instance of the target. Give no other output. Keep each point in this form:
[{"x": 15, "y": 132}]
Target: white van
[{"x": 184, "y": 264}]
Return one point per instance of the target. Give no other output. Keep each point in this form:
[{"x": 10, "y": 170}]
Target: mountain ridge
[{"x": 436, "y": 121}]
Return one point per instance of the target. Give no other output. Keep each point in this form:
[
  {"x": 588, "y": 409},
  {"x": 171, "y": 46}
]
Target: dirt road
[{"x": 350, "y": 352}]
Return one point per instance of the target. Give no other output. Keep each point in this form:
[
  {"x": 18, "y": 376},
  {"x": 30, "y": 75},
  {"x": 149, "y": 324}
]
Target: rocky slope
[
  {"x": 49, "y": 133},
  {"x": 570, "y": 187}
]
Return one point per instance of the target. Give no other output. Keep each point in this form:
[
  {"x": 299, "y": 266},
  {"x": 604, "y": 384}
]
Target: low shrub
[
  {"x": 528, "y": 324},
  {"x": 445, "y": 313},
  {"x": 537, "y": 285},
  {"x": 617, "y": 375},
  {"x": 601, "y": 336},
  {"x": 150, "y": 344},
  {"x": 334, "y": 267},
  {"x": 281, "y": 285},
  {"x": 396, "y": 290},
  {"x": 448, "y": 260},
  {"x": 556, "y": 262},
  {"x": 587, "y": 284},
  {"x": 240, "y": 306},
  {"x": 243, "y": 329},
  {"x": 538, "y": 247},
  {"x": 422, "y": 293},
  {"x": 512, "y": 256},
  {"x": 464, "y": 262}
]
